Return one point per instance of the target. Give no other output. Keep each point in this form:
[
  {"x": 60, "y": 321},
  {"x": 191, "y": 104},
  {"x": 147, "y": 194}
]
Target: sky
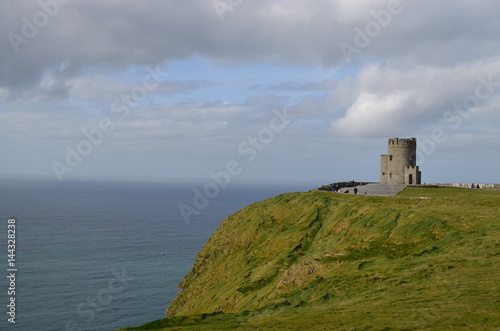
[{"x": 248, "y": 90}]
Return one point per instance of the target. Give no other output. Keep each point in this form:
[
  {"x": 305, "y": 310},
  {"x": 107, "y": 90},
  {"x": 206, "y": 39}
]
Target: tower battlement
[{"x": 402, "y": 142}]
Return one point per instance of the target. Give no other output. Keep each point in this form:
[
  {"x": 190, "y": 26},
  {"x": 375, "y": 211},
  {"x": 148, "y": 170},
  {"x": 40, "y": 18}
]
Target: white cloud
[
  {"x": 374, "y": 116},
  {"x": 388, "y": 101}
]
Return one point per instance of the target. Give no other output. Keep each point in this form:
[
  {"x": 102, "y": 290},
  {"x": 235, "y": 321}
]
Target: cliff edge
[{"x": 426, "y": 259}]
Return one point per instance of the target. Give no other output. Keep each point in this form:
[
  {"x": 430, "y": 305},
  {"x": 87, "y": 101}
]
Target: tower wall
[{"x": 384, "y": 173}]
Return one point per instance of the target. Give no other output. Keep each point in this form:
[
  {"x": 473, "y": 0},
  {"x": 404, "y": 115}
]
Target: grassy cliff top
[{"x": 426, "y": 259}]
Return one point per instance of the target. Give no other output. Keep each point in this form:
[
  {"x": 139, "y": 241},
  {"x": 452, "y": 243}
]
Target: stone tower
[{"x": 399, "y": 166}]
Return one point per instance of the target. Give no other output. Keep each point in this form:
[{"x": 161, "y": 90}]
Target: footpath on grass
[{"x": 384, "y": 190}]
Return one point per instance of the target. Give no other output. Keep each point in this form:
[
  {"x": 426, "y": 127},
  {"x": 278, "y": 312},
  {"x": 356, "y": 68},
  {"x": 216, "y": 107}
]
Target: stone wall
[{"x": 467, "y": 185}]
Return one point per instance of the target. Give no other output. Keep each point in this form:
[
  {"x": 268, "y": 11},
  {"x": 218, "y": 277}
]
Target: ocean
[{"x": 94, "y": 255}]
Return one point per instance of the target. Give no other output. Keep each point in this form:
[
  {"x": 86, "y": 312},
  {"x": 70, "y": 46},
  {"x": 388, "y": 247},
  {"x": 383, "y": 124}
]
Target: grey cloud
[
  {"x": 113, "y": 35},
  {"x": 164, "y": 122},
  {"x": 96, "y": 87}
]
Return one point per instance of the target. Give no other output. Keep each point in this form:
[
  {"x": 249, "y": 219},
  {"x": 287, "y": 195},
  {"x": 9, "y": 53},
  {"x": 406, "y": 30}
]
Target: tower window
[{"x": 390, "y": 157}]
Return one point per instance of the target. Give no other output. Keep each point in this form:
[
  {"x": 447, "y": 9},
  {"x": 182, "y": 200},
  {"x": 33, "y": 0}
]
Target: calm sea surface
[{"x": 103, "y": 255}]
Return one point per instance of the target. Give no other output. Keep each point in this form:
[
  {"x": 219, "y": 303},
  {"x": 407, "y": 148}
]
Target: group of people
[
  {"x": 472, "y": 185},
  {"x": 337, "y": 188}
]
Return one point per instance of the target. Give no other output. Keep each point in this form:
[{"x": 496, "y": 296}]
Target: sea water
[{"x": 102, "y": 255}]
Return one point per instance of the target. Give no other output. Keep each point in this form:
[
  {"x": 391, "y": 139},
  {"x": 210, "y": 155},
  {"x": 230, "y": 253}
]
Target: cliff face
[{"x": 350, "y": 253}]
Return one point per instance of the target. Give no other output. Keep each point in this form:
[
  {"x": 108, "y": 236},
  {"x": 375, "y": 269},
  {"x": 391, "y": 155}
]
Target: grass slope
[{"x": 427, "y": 259}]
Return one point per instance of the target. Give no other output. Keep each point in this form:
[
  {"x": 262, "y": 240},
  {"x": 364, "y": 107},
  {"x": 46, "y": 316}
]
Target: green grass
[{"x": 426, "y": 259}]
